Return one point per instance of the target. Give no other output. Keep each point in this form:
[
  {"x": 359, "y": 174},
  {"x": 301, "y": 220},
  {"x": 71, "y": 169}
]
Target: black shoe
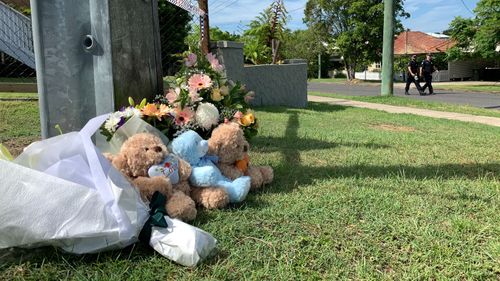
[
  {"x": 406, "y": 93},
  {"x": 422, "y": 93}
]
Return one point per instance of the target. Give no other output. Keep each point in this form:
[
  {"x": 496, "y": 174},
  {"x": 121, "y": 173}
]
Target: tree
[
  {"x": 304, "y": 44},
  {"x": 216, "y": 34},
  {"x": 477, "y": 37},
  {"x": 355, "y": 27},
  {"x": 263, "y": 37},
  {"x": 174, "y": 27}
]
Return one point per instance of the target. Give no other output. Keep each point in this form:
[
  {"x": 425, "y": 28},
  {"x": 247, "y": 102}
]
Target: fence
[
  {"x": 17, "y": 60},
  {"x": 174, "y": 27}
]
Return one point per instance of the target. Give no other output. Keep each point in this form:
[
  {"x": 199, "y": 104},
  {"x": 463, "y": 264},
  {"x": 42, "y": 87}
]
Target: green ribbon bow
[{"x": 156, "y": 216}]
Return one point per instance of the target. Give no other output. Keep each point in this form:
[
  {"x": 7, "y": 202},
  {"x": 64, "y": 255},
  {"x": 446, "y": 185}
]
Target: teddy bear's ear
[{"x": 213, "y": 147}]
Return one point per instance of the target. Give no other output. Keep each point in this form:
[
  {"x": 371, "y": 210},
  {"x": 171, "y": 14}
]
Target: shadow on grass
[
  {"x": 288, "y": 177},
  {"x": 37, "y": 257},
  {"x": 311, "y": 107}
]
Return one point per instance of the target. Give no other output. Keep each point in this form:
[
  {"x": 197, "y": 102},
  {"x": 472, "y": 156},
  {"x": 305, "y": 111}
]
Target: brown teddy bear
[
  {"x": 146, "y": 162},
  {"x": 229, "y": 144}
]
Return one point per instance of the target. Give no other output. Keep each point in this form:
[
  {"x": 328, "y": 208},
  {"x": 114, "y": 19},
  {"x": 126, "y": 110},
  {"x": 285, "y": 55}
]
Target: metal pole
[
  {"x": 388, "y": 50},
  {"x": 319, "y": 65},
  {"x": 204, "y": 27}
]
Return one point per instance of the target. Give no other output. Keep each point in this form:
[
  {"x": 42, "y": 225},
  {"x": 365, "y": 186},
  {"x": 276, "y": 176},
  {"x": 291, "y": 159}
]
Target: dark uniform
[
  {"x": 413, "y": 65},
  {"x": 427, "y": 70}
]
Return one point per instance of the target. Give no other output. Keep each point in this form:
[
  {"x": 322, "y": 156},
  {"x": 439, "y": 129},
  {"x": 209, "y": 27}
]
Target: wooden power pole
[
  {"x": 204, "y": 27},
  {"x": 388, "y": 50}
]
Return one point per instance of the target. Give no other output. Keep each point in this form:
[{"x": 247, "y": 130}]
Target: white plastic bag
[
  {"x": 181, "y": 242},
  {"x": 62, "y": 192}
]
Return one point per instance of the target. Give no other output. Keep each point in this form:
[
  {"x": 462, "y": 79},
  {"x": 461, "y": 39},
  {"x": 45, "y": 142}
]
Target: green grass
[
  {"x": 358, "y": 194},
  {"x": 8, "y": 95},
  {"x": 18, "y": 80},
  {"x": 402, "y": 101},
  {"x": 473, "y": 88},
  {"x": 329, "y": 80}
]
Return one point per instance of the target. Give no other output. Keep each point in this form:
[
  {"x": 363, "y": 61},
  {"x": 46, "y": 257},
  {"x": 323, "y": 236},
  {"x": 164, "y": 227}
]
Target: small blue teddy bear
[{"x": 192, "y": 148}]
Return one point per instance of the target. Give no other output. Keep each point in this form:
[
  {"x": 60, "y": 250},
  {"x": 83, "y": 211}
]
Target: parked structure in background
[
  {"x": 17, "y": 58},
  {"x": 415, "y": 42}
]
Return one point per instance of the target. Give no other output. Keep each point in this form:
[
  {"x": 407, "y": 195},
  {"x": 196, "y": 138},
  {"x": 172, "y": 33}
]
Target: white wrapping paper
[{"x": 62, "y": 192}]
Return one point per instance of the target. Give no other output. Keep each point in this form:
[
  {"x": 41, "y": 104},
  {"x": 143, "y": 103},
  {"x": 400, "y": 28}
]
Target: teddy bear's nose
[
  {"x": 157, "y": 149},
  {"x": 245, "y": 148}
]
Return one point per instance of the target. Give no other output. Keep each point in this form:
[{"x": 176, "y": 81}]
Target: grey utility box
[{"x": 91, "y": 55}]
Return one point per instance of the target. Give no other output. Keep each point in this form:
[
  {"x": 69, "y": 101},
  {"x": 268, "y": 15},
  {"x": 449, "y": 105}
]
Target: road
[{"x": 477, "y": 99}]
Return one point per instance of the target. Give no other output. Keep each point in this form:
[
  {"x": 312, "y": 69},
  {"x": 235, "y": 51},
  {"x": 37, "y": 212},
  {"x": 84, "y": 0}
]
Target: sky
[{"x": 426, "y": 15}]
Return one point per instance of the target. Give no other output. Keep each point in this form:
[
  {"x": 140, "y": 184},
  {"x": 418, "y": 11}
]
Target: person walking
[
  {"x": 413, "y": 76},
  {"x": 426, "y": 71}
]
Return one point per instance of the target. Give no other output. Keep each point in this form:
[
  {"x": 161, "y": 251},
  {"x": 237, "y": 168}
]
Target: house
[{"x": 410, "y": 43}]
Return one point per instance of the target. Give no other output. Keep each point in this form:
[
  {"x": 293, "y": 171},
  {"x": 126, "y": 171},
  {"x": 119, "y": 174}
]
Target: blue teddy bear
[{"x": 192, "y": 148}]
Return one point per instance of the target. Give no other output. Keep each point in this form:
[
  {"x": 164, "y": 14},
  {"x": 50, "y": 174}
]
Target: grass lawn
[
  {"x": 358, "y": 194},
  {"x": 18, "y": 80},
  {"x": 403, "y": 101},
  {"x": 8, "y": 95},
  {"x": 329, "y": 80},
  {"x": 473, "y": 88}
]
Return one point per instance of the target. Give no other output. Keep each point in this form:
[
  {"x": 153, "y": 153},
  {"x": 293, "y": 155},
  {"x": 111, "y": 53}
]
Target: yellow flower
[
  {"x": 247, "y": 120},
  {"x": 216, "y": 95},
  {"x": 152, "y": 110},
  {"x": 224, "y": 90}
]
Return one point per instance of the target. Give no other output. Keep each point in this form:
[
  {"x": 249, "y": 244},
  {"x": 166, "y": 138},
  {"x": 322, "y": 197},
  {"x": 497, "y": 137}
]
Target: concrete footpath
[{"x": 492, "y": 121}]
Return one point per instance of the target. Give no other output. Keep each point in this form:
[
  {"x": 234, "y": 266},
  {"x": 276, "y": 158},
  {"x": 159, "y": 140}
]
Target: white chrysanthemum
[
  {"x": 207, "y": 115},
  {"x": 113, "y": 121},
  {"x": 131, "y": 111}
]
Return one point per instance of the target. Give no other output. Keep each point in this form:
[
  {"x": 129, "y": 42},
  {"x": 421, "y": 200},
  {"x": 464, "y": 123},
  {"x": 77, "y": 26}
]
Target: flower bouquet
[{"x": 199, "y": 99}]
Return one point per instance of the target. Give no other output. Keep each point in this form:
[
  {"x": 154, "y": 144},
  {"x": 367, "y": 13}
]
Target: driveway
[{"x": 477, "y": 99}]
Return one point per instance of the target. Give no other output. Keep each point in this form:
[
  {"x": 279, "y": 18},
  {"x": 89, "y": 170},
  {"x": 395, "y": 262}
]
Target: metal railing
[{"x": 16, "y": 38}]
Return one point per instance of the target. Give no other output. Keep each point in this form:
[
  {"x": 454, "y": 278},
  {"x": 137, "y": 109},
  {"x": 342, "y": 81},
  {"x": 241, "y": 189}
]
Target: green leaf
[{"x": 5, "y": 154}]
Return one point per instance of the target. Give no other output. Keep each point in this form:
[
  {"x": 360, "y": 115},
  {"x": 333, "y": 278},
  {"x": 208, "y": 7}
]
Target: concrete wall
[{"x": 277, "y": 85}]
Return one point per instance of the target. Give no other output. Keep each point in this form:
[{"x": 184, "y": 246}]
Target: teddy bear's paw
[
  {"x": 267, "y": 174},
  {"x": 210, "y": 197},
  {"x": 238, "y": 189},
  {"x": 148, "y": 186},
  {"x": 181, "y": 207},
  {"x": 256, "y": 178},
  {"x": 183, "y": 187}
]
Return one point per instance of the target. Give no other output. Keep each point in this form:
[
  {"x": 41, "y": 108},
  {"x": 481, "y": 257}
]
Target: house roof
[{"x": 416, "y": 42}]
